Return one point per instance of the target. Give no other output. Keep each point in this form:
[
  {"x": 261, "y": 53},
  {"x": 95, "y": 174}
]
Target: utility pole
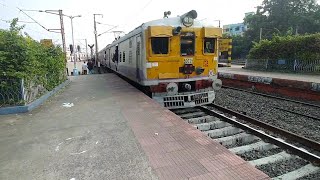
[
  {"x": 91, "y": 50},
  {"x": 61, "y": 31},
  {"x": 87, "y": 56},
  {"x": 95, "y": 36},
  {"x": 75, "y": 71},
  {"x": 86, "y": 50},
  {"x": 260, "y": 33},
  {"x": 63, "y": 35}
]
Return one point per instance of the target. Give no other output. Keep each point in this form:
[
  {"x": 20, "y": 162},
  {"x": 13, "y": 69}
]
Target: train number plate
[{"x": 188, "y": 60}]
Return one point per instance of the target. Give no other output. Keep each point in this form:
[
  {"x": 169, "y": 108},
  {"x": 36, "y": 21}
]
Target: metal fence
[
  {"x": 233, "y": 61},
  {"x": 308, "y": 66},
  {"x": 11, "y": 92},
  {"x": 15, "y": 92}
]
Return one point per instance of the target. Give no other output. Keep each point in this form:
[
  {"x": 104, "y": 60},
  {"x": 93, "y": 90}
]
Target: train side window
[
  {"x": 209, "y": 45},
  {"x": 160, "y": 45},
  {"x": 120, "y": 57},
  {"x": 124, "y": 56},
  {"x": 187, "y": 44},
  {"x": 130, "y": 43}
]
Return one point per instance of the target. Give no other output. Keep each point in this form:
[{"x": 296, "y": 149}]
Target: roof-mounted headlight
[{"x": 188, "y": 18}]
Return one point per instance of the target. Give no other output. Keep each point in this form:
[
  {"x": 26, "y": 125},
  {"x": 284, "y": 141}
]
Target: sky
[{"x": 125, "y": 14}]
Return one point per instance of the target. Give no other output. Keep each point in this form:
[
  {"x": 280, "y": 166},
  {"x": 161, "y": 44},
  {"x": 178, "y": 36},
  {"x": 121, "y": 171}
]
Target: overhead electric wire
[
  {"x": 107, "y": 30},
  {"x": 105, "y": 24},
  {"x": 33, "y": 19},
  {"x": 9, "y": 21},
  {"x": 137, "y": 13}
]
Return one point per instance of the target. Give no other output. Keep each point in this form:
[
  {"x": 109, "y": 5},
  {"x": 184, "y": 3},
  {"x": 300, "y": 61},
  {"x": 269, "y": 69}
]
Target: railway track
[
  {"x": 264, "y": 146},
  {"x": 274, "y": 97}
]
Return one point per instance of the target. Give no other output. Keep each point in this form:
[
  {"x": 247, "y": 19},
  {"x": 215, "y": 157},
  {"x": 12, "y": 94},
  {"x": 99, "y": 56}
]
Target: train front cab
[{"x": 182, "y": 65}]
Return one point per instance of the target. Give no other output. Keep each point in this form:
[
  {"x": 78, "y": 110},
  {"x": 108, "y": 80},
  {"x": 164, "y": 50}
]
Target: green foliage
[
  {"x": 284, "y": 17},
  {"x": 288, "y": 47},
  {"x": 24, "y": 58},
  {"x": 240, "y": 47},
  {"x": 280, "y": 18}
]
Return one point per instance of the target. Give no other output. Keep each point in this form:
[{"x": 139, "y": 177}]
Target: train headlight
[
  {"x": 187, "y": 86},
  {"x": 211, "y": 73},
  {"x": 187, "y": 21},
  {"x": 172, "y": 88},
  {"x": 216, "y": 84},
  {"x": 188, "y": 18}
]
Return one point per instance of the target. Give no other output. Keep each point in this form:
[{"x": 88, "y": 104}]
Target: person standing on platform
[
  {"x": 99, "y": 70},
  {"x": 84, "y": 68},
  {"x": 90, "y": 67}
]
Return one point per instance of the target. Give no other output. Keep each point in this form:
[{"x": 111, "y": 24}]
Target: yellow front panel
[
  {"x": 160, "y": 31},
  {"x": 169, "y": 64},
  {"x": 212, "y": 32}
]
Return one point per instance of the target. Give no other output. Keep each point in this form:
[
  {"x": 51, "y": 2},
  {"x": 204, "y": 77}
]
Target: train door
[
  {"x": 138, "y": 56},
  {"x": 109, "y": 58}
]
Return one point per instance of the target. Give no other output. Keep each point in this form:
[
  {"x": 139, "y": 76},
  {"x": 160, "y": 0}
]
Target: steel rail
[
  {"x": 293, "y": 112},
  {"x": 271, "y": 96},
  {"x": 297, "y": 138},
  {"x": 281, "y": 143}
]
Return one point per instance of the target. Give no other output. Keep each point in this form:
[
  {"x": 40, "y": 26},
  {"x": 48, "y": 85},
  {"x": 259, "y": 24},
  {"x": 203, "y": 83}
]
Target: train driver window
[
  {"x": 209, "y": 45},
  {"x": 187, "y": 46},
  {"x": 160, "y": 45}
]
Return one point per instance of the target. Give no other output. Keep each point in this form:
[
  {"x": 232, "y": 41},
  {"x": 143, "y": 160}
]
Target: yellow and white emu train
[{"x": 175, "y": 58}]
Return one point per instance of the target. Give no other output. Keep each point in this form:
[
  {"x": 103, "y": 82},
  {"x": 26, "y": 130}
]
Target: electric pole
[
  {"x": 62, "y": 32},
  {"x": 63, "y": 35},
  {"x": 91, "y": 50},
  {"x": 86, "y": 50},
  {"x": 75, "y": 71},
  {"x": 95, "y": 36}
]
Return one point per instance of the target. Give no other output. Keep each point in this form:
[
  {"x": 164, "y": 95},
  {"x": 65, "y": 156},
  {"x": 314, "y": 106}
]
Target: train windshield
[
  {"x": 187, "y": 46},
  {"x": 160, "y": 45},
  {"x": 209, "y": 44}
]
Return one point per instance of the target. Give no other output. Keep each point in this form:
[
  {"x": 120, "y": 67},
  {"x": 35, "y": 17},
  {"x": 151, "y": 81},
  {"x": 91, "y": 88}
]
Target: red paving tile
[{"x": 176, "y": 149}]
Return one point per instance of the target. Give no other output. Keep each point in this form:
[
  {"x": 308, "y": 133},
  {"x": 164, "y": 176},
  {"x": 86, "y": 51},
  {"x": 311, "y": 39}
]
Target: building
[
  {"x": 236, "y": 29},
  {"x": 81, "y": 56}
]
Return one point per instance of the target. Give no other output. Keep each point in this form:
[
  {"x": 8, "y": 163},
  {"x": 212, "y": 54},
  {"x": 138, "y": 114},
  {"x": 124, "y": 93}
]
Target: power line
[
  {"x": 32, "y": 19},
  {"x": 9, "y": 21},
  {"x": 107, "y": 30},
  {"x": 105, "y": 24},
  {"x": 144, "y": 7}
]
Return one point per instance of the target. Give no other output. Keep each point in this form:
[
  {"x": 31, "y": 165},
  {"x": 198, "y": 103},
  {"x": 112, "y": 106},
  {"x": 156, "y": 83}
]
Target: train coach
[{"x": 175, "y": 59}]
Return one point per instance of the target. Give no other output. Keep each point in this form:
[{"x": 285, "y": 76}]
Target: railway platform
[
  {"x": 301, "y": 86},
  {"x": 100, "y": 127}
]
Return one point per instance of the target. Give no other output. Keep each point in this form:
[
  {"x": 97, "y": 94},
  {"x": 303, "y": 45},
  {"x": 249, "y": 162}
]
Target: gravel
[
  {"x": 240, "y": 143},
  {"x": 263, "y": 108},
  {"x": 311, "y": 177},
  {"x": 253, "y": 155},
  {"x": 282, "y": 167}
]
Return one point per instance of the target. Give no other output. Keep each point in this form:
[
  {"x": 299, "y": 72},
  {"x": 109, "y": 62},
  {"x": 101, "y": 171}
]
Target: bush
[
  {"x": 304, "y": 47},
  {"x": 24, "y": 58}
]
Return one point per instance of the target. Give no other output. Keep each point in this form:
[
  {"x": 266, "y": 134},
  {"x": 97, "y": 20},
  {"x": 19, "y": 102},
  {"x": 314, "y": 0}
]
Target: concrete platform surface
[
  {"x": 237, "y": 69},
  {"x": 91, "y": 140},
  {"x": 113, "y": 131}
]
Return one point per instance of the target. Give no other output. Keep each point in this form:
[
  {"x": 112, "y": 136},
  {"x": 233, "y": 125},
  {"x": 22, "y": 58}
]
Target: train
[{"x": 175, "y": 59}]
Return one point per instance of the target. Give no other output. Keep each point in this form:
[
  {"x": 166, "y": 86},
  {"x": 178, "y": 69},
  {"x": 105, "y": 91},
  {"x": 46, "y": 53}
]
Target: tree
[
  {"x": 280, "y": 18},
  {"x": 240, "y": 47},
  {"x": 283, "y": 16},
  {"x": 25, "y": 58}
]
